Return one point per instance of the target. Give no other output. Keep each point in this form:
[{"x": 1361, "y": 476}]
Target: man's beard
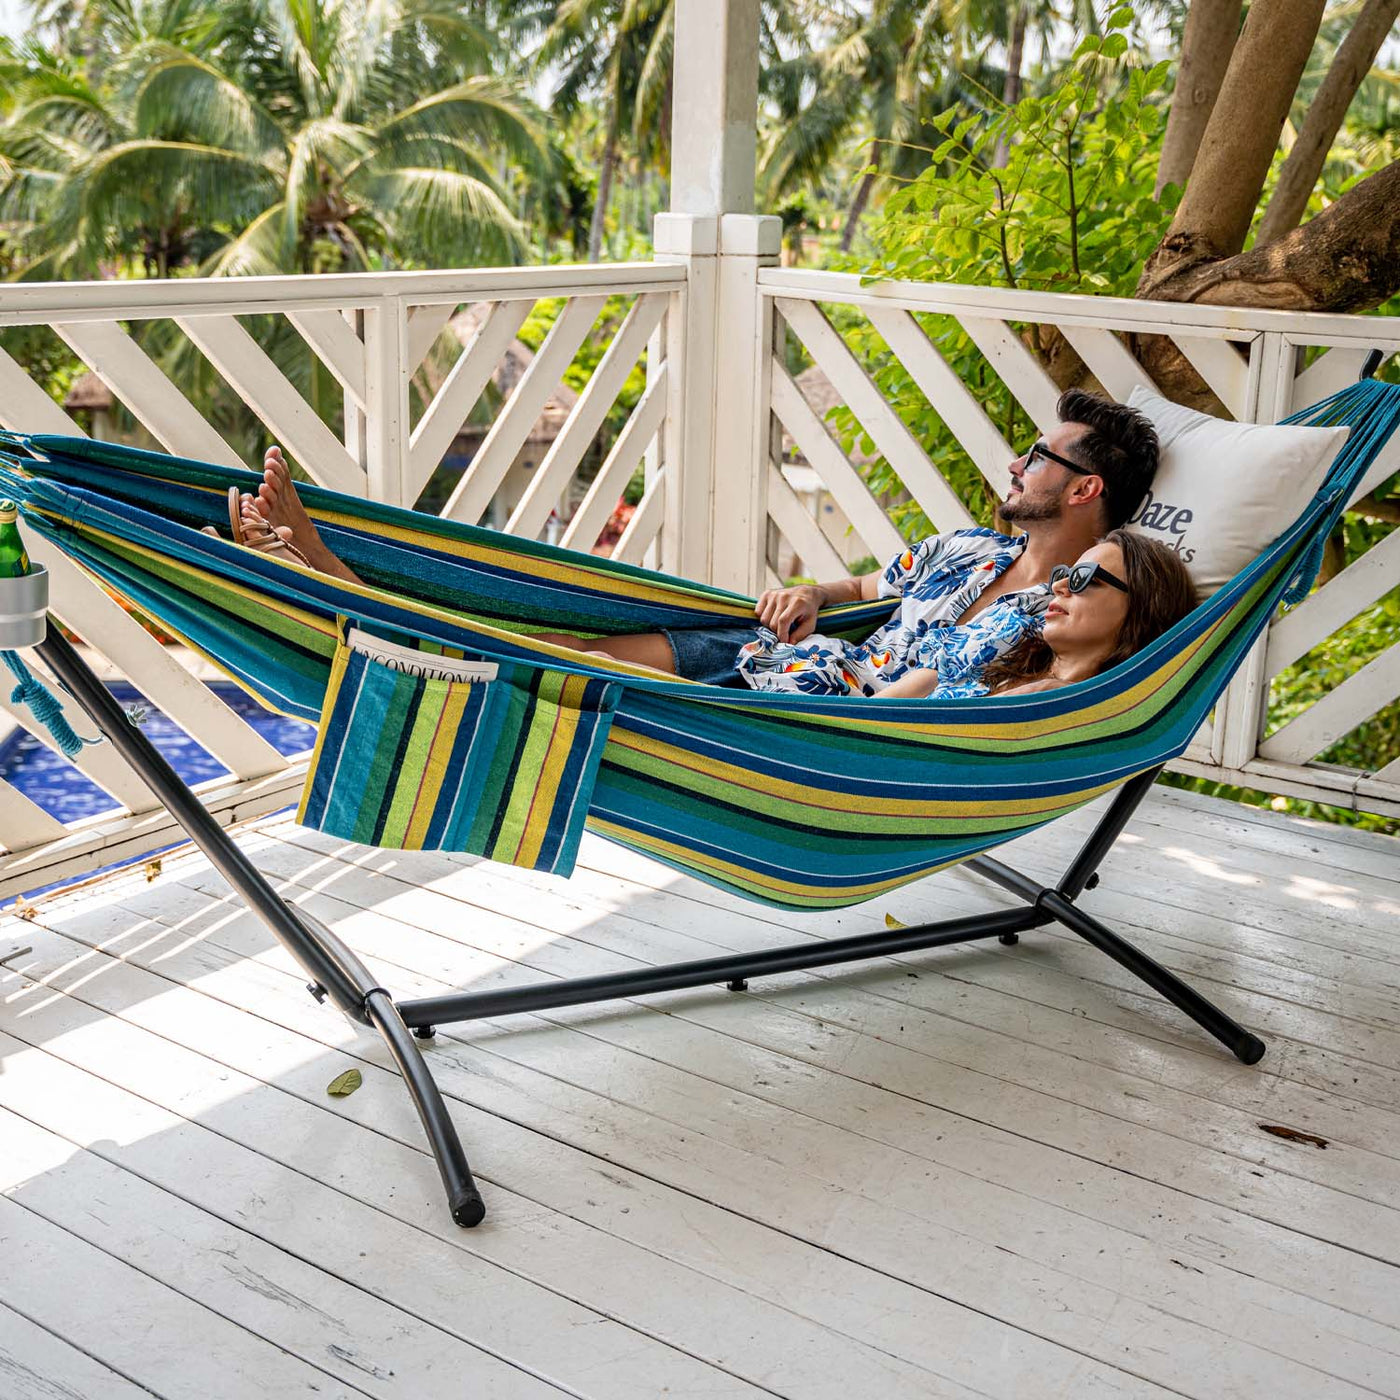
[{"x": 1017, "y": 508}]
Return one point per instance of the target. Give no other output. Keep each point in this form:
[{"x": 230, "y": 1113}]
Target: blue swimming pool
[{"x": 55, "y": 785}]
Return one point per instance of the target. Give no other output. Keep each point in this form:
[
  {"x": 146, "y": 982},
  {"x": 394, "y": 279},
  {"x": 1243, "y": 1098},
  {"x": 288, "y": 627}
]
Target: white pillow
[{"x": 1225, "y": 491}]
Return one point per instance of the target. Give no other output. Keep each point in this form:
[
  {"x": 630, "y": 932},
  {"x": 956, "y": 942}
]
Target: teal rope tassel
[{"x": 45, "y": 707}]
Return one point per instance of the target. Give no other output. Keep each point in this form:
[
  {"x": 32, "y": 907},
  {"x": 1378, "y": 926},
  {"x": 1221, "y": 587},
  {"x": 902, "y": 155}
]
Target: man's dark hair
[{"x": 1120, "y": 446}]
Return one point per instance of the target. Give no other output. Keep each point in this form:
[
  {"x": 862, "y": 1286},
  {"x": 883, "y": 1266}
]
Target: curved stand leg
[
  {"x": 463, "y": 1199},
  {"x": 334, "y": 969}
]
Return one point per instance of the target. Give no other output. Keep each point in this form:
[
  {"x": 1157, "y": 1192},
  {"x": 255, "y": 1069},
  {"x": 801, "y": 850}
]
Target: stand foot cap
[
  {"x": 737, "y": 985},
  {"x": 425, "y": 1032},
  {"x": 1010, "y": 939},
  {"x": 1250, "y": 1050},
  {"x": 468, "y": 1208}
]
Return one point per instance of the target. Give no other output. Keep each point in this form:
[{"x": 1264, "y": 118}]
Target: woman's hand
[{"x": 791, "y": 613}]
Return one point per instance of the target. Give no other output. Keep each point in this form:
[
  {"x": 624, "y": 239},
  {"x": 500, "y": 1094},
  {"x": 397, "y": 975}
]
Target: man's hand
[{"x": 791, "y": 613}]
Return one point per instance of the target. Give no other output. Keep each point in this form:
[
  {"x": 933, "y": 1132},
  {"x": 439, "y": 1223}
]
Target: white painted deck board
[
  {"x": 980, "y": 1171},
  {"x": 37, "y": 1365}
]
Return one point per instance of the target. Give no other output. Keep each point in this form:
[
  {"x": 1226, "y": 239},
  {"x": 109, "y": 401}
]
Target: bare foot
[{"x": 276, "y": 506}]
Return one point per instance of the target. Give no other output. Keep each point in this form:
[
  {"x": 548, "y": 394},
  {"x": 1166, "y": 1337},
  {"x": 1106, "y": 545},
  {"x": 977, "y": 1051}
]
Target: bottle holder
[{"x": 24, "y": 606}]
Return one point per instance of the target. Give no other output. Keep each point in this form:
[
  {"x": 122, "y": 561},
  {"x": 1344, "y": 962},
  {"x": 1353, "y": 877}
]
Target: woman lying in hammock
[{"x": 1119, "y": 596}]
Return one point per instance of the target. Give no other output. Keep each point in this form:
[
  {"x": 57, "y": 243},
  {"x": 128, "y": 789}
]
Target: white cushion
[{"x": 1225, "y": 491}]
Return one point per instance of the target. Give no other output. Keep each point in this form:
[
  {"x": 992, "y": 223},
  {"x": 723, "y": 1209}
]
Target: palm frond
[
  {"x": 479, "y": 109},
  {"x": 260, "y": 250},
  {"x": 187, "y": 99},
  {"x": 443, "y": 217}
]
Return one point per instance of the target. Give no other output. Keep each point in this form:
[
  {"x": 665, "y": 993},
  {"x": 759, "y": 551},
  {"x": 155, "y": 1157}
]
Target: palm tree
[
  {"x": 618, "y": 54},
  {"x": 888, "y": 67},
  {"x": 276, "y": 136},
  {"x": 870, "y": 79}
]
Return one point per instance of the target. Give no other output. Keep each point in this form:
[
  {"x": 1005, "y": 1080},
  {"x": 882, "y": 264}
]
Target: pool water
[{"x": 52, "y": 783}]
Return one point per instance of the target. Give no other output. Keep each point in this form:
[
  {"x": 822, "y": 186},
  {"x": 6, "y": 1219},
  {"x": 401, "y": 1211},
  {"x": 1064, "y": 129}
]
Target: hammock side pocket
[{"x": 417, "y": 751}]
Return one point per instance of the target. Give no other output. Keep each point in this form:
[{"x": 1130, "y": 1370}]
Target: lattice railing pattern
[
  {"x": 407, "y": 380},
  {"x": 1254, "y": 363}
]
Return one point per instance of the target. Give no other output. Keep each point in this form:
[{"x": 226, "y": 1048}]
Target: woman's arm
[{"x": 914, "y": 684}]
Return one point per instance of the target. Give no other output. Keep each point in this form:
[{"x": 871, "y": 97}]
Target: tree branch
[
  {"x": 1208, "y": 40},
  {"x": 1213, "y": 218},
  {"x": 1345, "y": 259},
  {"x": 1350, "y": 65},
  {"x": 1378, "y": 508}
]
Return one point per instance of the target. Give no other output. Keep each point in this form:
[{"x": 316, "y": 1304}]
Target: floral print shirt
[{"x": 936, "y": 582}]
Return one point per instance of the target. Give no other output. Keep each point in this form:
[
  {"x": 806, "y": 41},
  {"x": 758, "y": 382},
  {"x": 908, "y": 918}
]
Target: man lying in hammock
[{"x": 1081, "y": 480}]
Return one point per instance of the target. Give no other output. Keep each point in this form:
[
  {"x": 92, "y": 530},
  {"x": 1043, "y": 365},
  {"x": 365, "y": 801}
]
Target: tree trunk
[
  {"x": 1011, "y": 89},
  {"x": 1350, "y": 65},
  {"x": 605, "y": 176},
  {"x": 600, "y": 203},
  {"x": 1212, "y": 26},
  {"x": 858, "y": 204},
  {"x": 1240, "y": 139}
]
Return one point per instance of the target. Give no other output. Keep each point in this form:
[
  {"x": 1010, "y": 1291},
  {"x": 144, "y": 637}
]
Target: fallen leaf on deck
[
  {"x": 1293, "y": 1135},
  {"x": 345, "y": 1083},
  {"x": 892, "y": 922}
]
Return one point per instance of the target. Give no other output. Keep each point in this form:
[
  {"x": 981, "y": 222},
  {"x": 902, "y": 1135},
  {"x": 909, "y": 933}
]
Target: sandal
[{"x": 266, "y": 541}]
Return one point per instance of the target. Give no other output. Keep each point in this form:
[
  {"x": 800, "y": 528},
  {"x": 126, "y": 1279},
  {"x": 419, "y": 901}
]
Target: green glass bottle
[{"x": 14, "y": 558}]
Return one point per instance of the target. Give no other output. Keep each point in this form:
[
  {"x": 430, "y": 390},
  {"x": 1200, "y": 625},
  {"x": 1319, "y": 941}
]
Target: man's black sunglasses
[
  {"x": 1039, "y": 449},
  {"x": 1080, "y": 576}
]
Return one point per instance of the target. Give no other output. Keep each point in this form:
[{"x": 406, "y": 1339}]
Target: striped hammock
[{"x": 797, "y": 801}]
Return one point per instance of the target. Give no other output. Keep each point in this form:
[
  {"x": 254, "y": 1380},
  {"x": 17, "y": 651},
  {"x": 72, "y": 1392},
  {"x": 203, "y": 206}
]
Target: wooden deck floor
[{"x": 985, "y": 1171}]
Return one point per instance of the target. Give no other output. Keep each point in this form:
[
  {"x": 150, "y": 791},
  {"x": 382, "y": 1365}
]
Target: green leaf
[
  {"x": 892, "y": 922},
  {"x": 1115, "y": 46},
  {"x": 344, "y": 1084},
  {"x": 1121, "y": 18}
]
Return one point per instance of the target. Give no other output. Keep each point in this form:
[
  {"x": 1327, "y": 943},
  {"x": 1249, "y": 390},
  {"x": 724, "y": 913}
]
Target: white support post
[
  {"x": 662, "y": 448},
  {"x": 743, "y": 371},
  {"x": 692, "y": 337},
  {"x": 386, "y": 401},
  {"x": 1239, "y": 717},
  {"x": 355, "y": 435},
  {"x": 714, "y": 496}
]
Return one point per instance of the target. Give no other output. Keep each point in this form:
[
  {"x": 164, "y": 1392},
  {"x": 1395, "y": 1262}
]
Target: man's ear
[{"x": 1085, "y": 491}]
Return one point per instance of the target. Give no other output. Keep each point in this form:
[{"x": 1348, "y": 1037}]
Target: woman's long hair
[{"x": 1160, "y": 595}]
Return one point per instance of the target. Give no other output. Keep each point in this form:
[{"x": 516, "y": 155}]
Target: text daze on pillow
[{"x": 1169, "y": 520}]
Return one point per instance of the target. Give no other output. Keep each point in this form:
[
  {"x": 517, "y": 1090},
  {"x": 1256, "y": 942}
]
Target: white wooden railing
[
  {"x": 1251, "y": 360},
  {"x": 710, "y": 321},
  {"x": 373, "y": 333}
]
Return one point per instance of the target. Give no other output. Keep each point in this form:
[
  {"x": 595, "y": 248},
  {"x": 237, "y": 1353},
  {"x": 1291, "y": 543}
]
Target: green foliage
[
  {"x": 262, "y": 136},
  {"x": 1071, "y": 209}
]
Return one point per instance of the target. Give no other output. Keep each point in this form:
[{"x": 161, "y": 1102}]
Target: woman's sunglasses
[
  {"x": 1038, "y": 453},
  {"x": 1080, "y": 576}
]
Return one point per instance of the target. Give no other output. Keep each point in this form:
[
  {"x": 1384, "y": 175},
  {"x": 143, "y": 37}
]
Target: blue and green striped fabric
[
  {"x": 501, "y": 767},
  {"x": 799, "y": 801}
]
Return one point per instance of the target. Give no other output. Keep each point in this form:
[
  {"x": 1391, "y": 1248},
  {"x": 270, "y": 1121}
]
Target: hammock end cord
[{"x": 1377, "y": 405}]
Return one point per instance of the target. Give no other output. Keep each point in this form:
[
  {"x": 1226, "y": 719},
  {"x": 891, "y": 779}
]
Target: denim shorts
[{"x": 708, "y": 653}]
